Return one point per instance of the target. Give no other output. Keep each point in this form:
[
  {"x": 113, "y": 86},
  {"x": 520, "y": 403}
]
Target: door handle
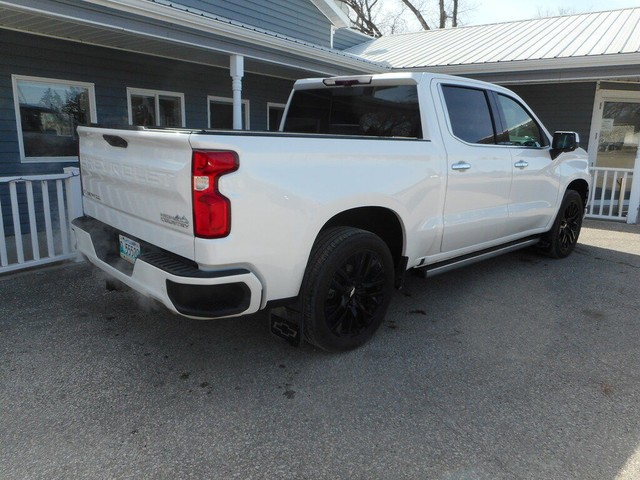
[
  {"x": 521, "y": 164},
  {"x": 461, "y": 166}
]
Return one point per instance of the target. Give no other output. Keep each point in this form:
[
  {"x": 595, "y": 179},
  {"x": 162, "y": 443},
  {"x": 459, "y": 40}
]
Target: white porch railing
[
  {"x": 610, "y": 193},
  {"x": 52, "y": 201}
]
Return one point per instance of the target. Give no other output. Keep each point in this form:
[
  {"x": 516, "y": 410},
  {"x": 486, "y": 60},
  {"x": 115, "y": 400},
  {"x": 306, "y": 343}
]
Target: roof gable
[{"x": 333, "y": 12}]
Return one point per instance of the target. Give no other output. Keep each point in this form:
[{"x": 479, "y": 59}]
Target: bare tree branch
[
  {"x": 417, "y": 13},
  {"x": 363, "y": 10},
  {"x": 378, "y": 17}
]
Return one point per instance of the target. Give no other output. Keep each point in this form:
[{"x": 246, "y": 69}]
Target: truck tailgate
[{"x": 140, "y": 182}]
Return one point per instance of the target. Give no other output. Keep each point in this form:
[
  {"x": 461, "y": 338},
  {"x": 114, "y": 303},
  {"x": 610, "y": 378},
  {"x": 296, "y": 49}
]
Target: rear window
[{"x": 367, "y": 111}]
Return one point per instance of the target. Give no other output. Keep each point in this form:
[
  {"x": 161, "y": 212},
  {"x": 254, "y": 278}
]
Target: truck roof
[{"x": 387, "y": 79}]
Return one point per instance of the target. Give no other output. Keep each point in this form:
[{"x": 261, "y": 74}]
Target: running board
[{"x": 445, "y": 266}]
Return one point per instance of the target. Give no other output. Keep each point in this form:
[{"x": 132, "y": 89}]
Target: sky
[{"x": 494, "y": 11}]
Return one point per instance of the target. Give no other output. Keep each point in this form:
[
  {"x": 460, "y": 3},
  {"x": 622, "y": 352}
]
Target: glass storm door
[
  {"x": 619, "y": 132},
  {"x": 614, "y": 154}
]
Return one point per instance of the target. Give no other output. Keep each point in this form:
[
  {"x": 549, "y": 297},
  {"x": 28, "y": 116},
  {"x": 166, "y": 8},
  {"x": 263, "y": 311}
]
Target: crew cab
[{"x": 369, "y": 177}]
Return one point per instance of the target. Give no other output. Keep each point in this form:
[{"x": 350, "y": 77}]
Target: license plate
[{"x": 129, "y": 250}]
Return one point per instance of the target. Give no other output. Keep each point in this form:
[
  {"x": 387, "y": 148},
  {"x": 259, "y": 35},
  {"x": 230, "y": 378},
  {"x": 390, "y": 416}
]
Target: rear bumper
[{"x": 174, "y": 281}]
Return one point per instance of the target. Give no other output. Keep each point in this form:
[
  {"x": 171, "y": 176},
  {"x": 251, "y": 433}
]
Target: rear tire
[
  {"x": 346, "y": 289},
  {"x": 560, "y": 241}
]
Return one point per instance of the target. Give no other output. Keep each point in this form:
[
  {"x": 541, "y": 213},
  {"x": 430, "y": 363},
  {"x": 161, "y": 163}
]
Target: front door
[
  {"x": 619, "y": 132},
  {"x": 613, "y": 150},
  {"x": 534, "y": 190}
]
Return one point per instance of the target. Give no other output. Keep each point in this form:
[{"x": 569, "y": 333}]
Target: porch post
[
  {"x": 237, "y": 72},
  {"x": 634, "y": 199},
  {"x": 74, "y": 193}
]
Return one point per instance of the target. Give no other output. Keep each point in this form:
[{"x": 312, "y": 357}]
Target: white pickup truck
[{"x": 369, "y": 177}]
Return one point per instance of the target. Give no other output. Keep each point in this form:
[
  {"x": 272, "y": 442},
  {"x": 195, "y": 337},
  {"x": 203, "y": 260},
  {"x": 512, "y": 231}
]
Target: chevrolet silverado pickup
[{"x": 369, "y": 176}]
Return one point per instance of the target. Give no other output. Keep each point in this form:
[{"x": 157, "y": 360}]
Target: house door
[{"x": 613, "y": 150}]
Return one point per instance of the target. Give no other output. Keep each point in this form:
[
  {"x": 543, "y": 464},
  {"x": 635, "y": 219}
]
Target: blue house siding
[
  {"x": 112, "y": 71},
  {"x": 346, "y": 38},
  {"x": 293, "y": 18}
]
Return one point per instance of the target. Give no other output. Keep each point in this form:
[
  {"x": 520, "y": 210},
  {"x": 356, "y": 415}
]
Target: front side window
[
  {"x": 368, "y": 111},
  {"x": 151, "y": 108},
  {"x": 469, "y": 114},
  {"x": 221, "y": 113},
  {"x": 520, "y": 128},
  {"x": 48, "y": 112}
]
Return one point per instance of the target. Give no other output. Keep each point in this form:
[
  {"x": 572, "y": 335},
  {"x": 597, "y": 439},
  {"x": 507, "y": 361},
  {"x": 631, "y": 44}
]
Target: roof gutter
[{"x": 558, "y": 63}]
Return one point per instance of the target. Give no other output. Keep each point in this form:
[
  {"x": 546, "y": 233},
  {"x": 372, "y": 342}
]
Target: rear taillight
[{"x": 211, "y": 209}]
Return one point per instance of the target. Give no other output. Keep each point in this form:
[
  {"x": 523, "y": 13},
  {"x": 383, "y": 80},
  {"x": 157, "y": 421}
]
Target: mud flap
[{"x": 285, "y": 322}]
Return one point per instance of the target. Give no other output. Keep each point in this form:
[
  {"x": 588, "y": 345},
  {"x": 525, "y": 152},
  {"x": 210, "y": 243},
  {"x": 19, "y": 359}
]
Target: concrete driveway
[{"x": 520, "y": 367}]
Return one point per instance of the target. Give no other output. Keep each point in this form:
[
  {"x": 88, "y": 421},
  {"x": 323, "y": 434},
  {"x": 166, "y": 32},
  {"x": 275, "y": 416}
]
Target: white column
[
  {"x": 237, "y": 72},
  {"x": 634, "y": 200},
  {"x": 73, "y": 189}
]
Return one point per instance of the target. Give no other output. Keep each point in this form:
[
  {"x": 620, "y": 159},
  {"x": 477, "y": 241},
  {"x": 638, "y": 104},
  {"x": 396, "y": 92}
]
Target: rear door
[
  {"x": 139, "y": 182},
  {"x": 479, "y": 175}
]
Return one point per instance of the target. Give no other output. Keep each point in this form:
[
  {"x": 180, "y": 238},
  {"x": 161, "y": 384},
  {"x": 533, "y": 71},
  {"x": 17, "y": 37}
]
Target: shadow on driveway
[{"x": 518, "y": 367}]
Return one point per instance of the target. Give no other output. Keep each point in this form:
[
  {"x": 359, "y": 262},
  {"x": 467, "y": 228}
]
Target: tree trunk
[
  {"x": 443, "y": 15},
  {"x": 454, "y": 16}
]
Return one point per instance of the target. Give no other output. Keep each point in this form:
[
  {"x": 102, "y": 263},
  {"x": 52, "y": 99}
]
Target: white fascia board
[
  {"x": 365, "y": 37},
  {"x": 565, "y": 64},
  {"x": 187, "y": 19},
  {"x": 330, "y": 10}
]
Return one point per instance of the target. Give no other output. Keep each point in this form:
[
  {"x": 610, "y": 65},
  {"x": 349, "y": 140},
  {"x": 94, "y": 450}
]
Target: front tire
[
  {"x": 346, "y": 289},
  {"x": 560, "y": 241}
]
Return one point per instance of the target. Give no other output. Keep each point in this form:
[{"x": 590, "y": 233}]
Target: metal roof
[{"x": 555, "y": 40}]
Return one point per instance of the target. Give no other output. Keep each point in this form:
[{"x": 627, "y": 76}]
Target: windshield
[{"x": 369, "y": 111}]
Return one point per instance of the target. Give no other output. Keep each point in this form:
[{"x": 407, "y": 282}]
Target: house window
[
  {"x": 155, "y": 108},
  {"x": 275, "y": 111},
  {"x": 47, "y": 114},
  {"x": 220, "y": 111}
]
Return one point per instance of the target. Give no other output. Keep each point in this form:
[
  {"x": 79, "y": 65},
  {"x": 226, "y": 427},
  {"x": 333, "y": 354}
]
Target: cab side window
[
  {"x": 519, "y": 128},
  {"x": 469, "y": 114}
]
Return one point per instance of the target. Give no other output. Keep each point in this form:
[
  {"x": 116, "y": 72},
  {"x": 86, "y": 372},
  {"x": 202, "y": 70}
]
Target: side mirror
[{"x": 564, "y": 142}]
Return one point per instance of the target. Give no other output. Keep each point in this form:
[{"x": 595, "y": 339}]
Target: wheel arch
[
  {"x": 380, "y": 221},
  {"x": 581, "y": 186}
]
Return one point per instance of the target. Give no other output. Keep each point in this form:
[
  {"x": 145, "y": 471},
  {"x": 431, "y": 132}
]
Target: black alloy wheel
[
  {"x": 347, "y": 288},
  {"x": 569, "y": 227},
  {"x": 560, "y": 241},
  {"x": 354, "y": 295}
]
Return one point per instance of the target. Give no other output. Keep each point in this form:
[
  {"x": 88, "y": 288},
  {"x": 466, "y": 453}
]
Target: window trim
[
  {"x": 503, "y": 123},
  {"x": 228, "y": 100},
  {"x": 270, "y": 105},
  {"x": 156, "y": 94},
  {"x": 54, "y": 81}
]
